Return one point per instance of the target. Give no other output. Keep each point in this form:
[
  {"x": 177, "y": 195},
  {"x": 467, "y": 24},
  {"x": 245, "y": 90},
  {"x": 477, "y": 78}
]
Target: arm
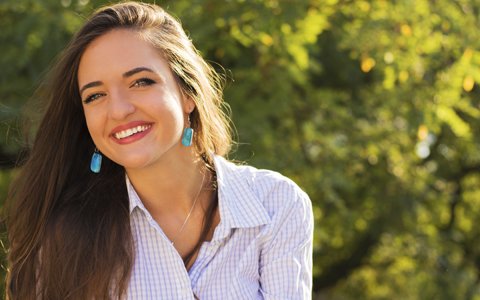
[{"x": 286, "y": 259}]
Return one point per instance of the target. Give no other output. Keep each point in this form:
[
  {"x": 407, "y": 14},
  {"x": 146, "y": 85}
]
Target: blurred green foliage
[{"x": 371, "y": 106}]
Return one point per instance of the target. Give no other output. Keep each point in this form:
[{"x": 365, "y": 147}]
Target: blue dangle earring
[
  {"x": 96, "y": 162},
  {"x": 187, "y": 136}
]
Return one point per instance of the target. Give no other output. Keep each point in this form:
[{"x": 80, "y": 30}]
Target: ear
[{"x": 188, "y": 105}]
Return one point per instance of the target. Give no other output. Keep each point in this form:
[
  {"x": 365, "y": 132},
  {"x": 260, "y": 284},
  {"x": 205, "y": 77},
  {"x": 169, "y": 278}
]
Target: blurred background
[{"x": 372, "y": 107}]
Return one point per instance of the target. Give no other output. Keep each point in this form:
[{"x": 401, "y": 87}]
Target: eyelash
[
  {"x": 138, "y": 83},
  {"x": 93, "y": 97},
  {"x": 142, "y": 82}
]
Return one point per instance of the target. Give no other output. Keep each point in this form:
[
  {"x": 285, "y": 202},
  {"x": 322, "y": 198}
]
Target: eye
[
  {"x": 93, "y": 97},
  {"x": 142, "y": 82}
]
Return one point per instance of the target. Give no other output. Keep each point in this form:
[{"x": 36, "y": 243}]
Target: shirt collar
[
  {"x": 239, "y": 206},
  {"x": 133, "y": 198}
]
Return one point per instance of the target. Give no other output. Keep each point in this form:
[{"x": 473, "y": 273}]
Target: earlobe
[{"x": 189, "y": 105}]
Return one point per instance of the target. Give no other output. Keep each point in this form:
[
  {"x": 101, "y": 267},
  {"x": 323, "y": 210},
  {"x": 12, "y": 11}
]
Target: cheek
[
  {"x": 170, "y": 122},
  {"x": 168, "y": 111}
]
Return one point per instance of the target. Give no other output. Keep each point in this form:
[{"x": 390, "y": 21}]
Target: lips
[{"x": 130, "y": 132}]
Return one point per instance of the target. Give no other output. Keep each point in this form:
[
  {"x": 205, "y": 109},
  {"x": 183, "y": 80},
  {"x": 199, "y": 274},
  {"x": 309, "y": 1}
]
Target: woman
[{"x": 126, "y": 193}]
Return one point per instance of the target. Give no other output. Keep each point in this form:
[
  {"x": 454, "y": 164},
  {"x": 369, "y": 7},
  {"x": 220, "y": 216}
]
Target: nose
[{"x": 120, "y": 105}]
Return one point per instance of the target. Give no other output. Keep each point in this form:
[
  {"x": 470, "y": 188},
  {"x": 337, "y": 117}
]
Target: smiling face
[{"x": 134, "y": 110}]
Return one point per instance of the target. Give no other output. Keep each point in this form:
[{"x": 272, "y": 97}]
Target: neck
[{"x": 170, "y": 186}]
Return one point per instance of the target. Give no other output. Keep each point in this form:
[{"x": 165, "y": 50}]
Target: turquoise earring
[
  {"x": 187, "y": 136},
  {"x": 96, "y": 162}
]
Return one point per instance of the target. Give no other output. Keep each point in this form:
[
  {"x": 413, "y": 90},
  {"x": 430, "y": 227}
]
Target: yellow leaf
[
  {"x": 406, "y": 30},
  {"x": 468, "y": 83},
  {"x": 422, "y": 132},
  {"x": 367, "y": 64},
  {"x": 266, "y": 39},
  {"x": 403, "y": 76}
]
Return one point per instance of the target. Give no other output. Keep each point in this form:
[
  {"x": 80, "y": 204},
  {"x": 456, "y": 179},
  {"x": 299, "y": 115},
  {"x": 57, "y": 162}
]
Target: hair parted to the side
[{"x": 68, "y": 229}]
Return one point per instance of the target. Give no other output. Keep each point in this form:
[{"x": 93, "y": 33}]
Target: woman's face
[{"x": 133, "y": 107}]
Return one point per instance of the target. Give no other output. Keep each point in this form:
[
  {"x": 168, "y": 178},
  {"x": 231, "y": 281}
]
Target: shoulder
[{"x": 278, "y": 194}]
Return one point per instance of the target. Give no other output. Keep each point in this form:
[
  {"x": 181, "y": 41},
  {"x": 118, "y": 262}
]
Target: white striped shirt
[{"x": 261, "y": 249}]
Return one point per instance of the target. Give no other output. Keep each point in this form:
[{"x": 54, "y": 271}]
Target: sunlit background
[{"x": 372, "y": 107}]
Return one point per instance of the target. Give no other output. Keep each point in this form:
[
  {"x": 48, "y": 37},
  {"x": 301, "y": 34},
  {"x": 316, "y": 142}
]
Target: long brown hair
[{"x": 68, "y": 228}]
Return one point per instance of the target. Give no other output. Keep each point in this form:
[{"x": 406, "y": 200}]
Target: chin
[{"x": 133, "y": 162}]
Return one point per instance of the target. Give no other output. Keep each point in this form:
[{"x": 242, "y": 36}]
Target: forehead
[{"x": 115, "y": 52}]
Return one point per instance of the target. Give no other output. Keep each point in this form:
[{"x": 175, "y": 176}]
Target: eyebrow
[
  {"x": 135, "y": 71},
  {"x": 124, "y": 75}
]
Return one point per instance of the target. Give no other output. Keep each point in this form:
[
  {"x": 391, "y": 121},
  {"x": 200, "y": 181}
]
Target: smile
[{"x": 131, "y": 131}]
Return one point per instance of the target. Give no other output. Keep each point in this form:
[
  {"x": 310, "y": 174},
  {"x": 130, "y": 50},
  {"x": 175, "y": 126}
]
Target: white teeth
[{"x": 126, "y": 133}]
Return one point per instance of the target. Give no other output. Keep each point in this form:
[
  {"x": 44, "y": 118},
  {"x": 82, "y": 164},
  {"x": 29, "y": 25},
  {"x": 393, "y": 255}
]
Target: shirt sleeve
[{"x": 286, "y": 259}]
